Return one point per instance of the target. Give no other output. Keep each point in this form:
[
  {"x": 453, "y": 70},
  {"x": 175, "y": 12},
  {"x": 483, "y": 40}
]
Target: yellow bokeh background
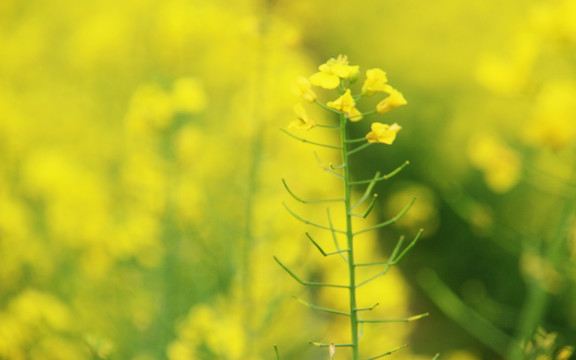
[{"x": 141, "y": 164}]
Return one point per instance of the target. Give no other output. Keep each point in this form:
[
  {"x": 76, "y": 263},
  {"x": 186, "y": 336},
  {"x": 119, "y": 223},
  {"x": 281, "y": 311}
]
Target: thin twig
[
  {"x": 383, "y": 177},
  {"x": 389, "y": 222},
  {"x": 310, "y": 142},
  {"x": 307, "y": 283}
]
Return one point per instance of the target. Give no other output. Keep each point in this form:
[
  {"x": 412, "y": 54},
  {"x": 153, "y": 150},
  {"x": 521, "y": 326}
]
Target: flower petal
[{"x": 325, "y": 80}]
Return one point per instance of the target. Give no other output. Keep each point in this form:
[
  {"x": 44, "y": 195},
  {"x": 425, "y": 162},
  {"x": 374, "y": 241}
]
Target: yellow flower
[
  {"x": 188, "y": 95},
  {"x": 394, "y": 100},
  {"x": 553, "y": 124},
  {"x": 375, "y": 81},
  {"x": 383, "y": 133},
  {"x": 332, "y": 71},
  {"x": 302, "y": 121},
  {"x": 500, "y": 164},
  {"x": 347, "y": 105},
  {"x": 303, "y": 89}
]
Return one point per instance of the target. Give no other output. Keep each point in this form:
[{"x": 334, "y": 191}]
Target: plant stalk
[{"x": 349, "y": 239}]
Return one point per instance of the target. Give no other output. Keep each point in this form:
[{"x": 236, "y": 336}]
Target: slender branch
[
  {"x": 334, "y": 237},
  {"x": 308, "y": 201},
  {"x": 367, "y": 192},
  {"x": 322, "y": 250},
  {"x": 375, "y": 263},
  {"x": 369, "y": 113},
  {"x": 328, "y": 126},
  {"x": 310, "y": 142},
  {"x": 333, "y": 172},
  {"x": 310, "y": 222},
  {"x": 410, "y": 246},
  {"x": 412, "y": 318},
  {"x": 382, "y": 273},
  {"x": 388, "y": 352},
  {"x": 307, "y": 283},
  {"x": 396, "y": 250},
  {"x": 368, "y": 308},
  {"x": 320, "y": 308},
  {"x": 328, "y": 345},
  {"x": 389, "y": 222},
  {"x": 368, "y": 209},
  {"x": 276, "y": 351},
  {"x": 383, "y": 177},
  {"x": 394, "y": 258},
  {"x": 370, "y": 206},
  {"x": 328, "y": 168},
  {"x": 359, "y": 148},
  {"x": 316, "y": 244},
  {"x": 353, "y": 141},
  {"x": 388, "y": 263}
]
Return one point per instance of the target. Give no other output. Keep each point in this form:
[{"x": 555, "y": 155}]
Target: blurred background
[{"x": 141, "y": 164}]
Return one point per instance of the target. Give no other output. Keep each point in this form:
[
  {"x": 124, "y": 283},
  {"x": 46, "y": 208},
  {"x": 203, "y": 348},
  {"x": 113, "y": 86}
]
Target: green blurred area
[{"x": 141, "y": 166}]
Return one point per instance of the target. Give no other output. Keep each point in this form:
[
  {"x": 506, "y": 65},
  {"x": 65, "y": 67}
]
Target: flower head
[
  {"x": 375, "y": 81},
  {"x": 303, "y": 88},
  {"x": 332, "y": 71},
  {"x": 347, "y": 105},
  {"x": 383, "y": 133},
  {"x": 394, "y": 100},
  {"x": 303, "y": 121}
]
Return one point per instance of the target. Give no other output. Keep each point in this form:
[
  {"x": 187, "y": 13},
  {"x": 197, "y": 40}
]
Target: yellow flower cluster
[
  {"x": 332, "y": 71},
  {"x": 331, "y": 75}
]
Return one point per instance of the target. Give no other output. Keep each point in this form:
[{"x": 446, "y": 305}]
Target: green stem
[
  {"x": 537, "y": 299},
  {"x": 350, "y": 240},
  {"x": 467, "y": 318}
]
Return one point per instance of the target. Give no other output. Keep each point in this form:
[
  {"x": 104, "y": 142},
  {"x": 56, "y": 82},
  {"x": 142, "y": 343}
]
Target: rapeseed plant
[{"x": 336, "y": 73}]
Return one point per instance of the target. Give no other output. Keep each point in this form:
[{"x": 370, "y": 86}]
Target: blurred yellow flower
[
  {"x": 536, "y": 268},
  {"x": 303, "y": 88},
  {"x": 500, "y": 164},
  {"x": 214, "y": 328},
  {"x": 394, "y": 100},
  {"x": 303, "y": 121},
  {"x": 553, "y": 124},
  {"x": 332, "y": 71},
  {"x": 150, "y": 107},
  {"x": 375, "y": 81},
  {"x": 565, "y": 353},
  {"x": 188, "y": 95},
  {"x": 383, "y": 133},
  {"x": 178, "y": 350},
  {"x": 36, "y": 308},
  {"x": 347, "y": 105},
  {"x": 509, "y": 74}
]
